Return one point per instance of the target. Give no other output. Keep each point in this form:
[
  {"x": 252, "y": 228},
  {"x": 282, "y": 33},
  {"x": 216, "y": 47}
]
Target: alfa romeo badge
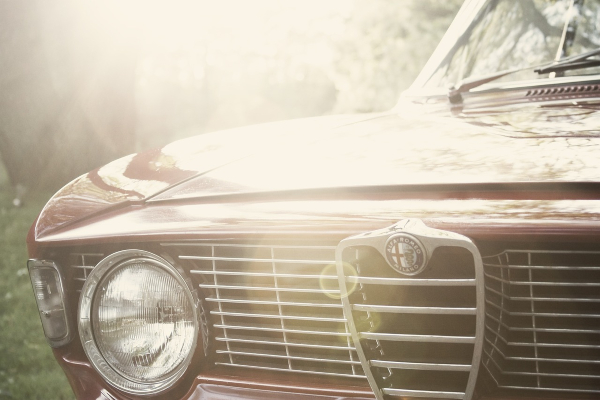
[{"x": 405, "y": 254}]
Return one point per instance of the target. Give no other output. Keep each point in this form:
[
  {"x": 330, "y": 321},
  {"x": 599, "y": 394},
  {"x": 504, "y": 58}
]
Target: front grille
[
  {"x": 543, "y": 320},
  {"x": 418, "y": 334},
  {"x": 278, "y": 308},
  {"x": 273, "y": 307}
]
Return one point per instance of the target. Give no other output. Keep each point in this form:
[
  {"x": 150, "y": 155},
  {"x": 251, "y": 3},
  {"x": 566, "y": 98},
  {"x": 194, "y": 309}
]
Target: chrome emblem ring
[{"x": 405, "y": 254}]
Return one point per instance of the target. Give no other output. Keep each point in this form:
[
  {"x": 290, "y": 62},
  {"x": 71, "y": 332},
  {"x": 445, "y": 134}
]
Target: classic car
[{"x": 449, "y": 248}]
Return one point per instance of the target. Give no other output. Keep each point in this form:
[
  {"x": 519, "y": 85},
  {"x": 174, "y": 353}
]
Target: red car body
[{"x": 510, "y": 168}]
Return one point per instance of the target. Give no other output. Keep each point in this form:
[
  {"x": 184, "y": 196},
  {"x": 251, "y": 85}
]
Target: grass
[{"x": 28, "y": 369}]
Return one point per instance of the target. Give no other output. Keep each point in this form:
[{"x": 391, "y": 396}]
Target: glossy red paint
[
  {"x": 437, "y": 156},
  {"x": 510, "y": 165}
]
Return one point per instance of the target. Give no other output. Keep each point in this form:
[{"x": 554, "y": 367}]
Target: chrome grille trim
[
  {"x": 410, "y": 282},
  {"x": 541, "y": 320},
  {"x": 395, "y": 344},
  {"x": 420, "y": 366},
  {"x": 424, "y": 393},
  {"x": 300, "y": 371},
  {"x": 263, "y": 299},
  {"x": 415, "y": 310},
  {"x": 274, "y": 303},
  {"x": 416, "y": 338},
  {"x": 81, "y": 264},
  {"x": 328, "y": 360},
  {"x": 269, "y": 289}
]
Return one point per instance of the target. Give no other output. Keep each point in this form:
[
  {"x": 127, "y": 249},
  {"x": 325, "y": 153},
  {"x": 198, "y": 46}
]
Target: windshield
[{"x": 509, "y": 34}]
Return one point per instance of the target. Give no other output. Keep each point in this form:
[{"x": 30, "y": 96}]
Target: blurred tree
[
  {"x": 82, "y": 83},
  {"x": 66, "y": 94},
  {"x": 383, "y": 47}
]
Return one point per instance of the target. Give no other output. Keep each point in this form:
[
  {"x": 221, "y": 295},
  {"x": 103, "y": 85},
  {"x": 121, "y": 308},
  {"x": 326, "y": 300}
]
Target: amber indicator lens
[
  {"x": 143, "y": 321},
  {"x": 47, "y": 288}
]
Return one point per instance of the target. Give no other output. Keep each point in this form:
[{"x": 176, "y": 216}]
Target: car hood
[{"x": 390, "y": 150}]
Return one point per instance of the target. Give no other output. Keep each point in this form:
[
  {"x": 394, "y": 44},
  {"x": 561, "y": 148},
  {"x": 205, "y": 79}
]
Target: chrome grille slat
[
  {"x": 300, "y": 371},
  {"x": 560, "y": 299},
  {"x": 263, "y": 300},
  {"x": 256, "y": 260},
  {"x": 415, "y": 310},
  {"x": 302, "y": 332},
  {"x": 410, "y": 282},
  {"x": 268, "y": 289},
  {"x": 326, "y": 360},
  {"x": 541, "y": 320},
  {"x": 280, "y": 316},
  {"x": 282, "y": 343},
  {"x": 541, "y": 314},
  {"x": 274, "y": 303},
  {"x": 424, "y": 393},
  {"x": 416, "y": 338},
  {"x": 420, "y": 366},
  {"x": 540, "y": 359},
  {"x": 264, "y": 275}
]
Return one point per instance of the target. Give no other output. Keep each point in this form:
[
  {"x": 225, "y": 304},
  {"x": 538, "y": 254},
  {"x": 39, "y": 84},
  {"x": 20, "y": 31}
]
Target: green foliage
[
  {"x": 383, "y": 47},
  {"x": 28, "y": 369}
]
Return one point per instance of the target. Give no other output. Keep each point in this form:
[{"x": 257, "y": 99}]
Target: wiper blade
[
  {"x": 578, "y": 61},
  {"x": 569, "y": 63}
]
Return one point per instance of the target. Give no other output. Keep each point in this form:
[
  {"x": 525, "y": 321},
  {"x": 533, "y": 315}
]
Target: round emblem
[{"x": 405, "y": 254}]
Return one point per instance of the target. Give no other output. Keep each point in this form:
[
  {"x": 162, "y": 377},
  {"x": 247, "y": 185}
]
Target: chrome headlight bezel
[{"x": 86, "y": 329}]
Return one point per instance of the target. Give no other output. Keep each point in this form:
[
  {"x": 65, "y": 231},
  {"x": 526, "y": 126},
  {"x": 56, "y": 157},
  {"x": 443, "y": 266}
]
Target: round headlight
[{"x": 138, "y": 321}]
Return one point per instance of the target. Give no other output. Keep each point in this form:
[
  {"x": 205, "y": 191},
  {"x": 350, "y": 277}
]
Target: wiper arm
[
  {"x": 455, "y": 92},
  {"x": 571, "y": 63}
]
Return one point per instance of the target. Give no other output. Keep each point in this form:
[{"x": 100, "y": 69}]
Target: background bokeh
[{"x": 84, "y": 82}]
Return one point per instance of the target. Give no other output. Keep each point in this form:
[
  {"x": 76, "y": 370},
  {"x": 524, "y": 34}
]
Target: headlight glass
[{"x": 138, "y": 321}]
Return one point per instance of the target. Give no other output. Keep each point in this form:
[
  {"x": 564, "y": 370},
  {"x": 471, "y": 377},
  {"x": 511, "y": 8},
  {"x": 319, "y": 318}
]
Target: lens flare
[{"x": 330, "y": 284}]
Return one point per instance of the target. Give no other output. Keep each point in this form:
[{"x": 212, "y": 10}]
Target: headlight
[{"x": 138, "y": 321}]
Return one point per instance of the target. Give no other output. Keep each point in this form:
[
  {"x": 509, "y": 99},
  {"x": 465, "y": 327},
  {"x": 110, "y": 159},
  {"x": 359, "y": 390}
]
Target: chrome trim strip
[
  {"x": 267, "y": 342},
  {"x": 557, "y": 299},
  {"x": 543, "y": 252},
  {"x": 552, "y": 330},
  {"x": 250, "y": 354},
  {"x": 265, "y": 329},
  {"x": 425, "y": 393},
  {"x": 262, "y": 274},
  {"x": 397, "y": 337},
  {"x": 411, "y": 282},
  {"x": 420, "y": 366},
  {"x": 541, "y": 374},
  {"x": 269, "y": 289},
  {"x": 551, "y": 345},
  {"x": 258, "y": 260},
  {"x": 566, "y": 360},
  {"x": 247, "y": 246},
  {"x": 541, "y": 314},
  {"x": 277, "y": 316},
  {"x": 527, "y": 283},
  {"x": 549, "y": 389},
  {"x": 302, "y": 371},
  {"x": 543, "y": 267},
  {"x": 274, "y": 303},
  {"x": 415, "y": 310}
]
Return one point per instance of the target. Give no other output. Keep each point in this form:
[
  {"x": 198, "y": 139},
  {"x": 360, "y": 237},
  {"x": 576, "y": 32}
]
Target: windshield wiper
[
  {"x": 455, "y": 92},
  {"x": 578, "y": 61}
]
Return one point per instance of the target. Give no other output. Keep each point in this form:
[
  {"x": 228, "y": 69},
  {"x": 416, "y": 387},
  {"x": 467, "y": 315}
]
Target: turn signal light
[{"x": 49, "y": 295}]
